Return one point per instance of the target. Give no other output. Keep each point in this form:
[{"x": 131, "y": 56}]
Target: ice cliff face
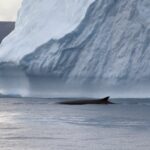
[{"x": 93, "y": 40}]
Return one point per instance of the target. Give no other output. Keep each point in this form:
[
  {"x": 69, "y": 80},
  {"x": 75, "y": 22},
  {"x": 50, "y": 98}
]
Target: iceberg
[{"x": 95, "y": 43}]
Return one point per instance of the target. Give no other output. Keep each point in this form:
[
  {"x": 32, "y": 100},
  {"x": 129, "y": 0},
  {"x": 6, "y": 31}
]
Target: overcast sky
[{"x": 8, "y": 9}]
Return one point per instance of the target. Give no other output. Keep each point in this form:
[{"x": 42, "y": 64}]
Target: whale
[{"x": 100, "y": 101}]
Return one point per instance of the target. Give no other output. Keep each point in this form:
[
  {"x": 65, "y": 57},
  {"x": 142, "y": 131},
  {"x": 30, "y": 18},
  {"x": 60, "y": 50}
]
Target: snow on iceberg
[{"x": 39, "y": 21}]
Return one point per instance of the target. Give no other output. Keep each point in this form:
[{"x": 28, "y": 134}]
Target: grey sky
[{"x": 8, "y": 9}]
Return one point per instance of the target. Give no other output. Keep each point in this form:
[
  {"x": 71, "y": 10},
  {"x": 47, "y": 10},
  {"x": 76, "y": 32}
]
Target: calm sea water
[{"x": 41, "y": 124}]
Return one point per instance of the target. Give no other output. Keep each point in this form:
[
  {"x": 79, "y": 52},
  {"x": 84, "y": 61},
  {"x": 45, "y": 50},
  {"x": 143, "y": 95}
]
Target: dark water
[{"x": 41, "y": 124}]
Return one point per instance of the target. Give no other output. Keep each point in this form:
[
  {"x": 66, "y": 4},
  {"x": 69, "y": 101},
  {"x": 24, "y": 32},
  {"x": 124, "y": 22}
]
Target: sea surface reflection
[{"x": 43, "y": 124}]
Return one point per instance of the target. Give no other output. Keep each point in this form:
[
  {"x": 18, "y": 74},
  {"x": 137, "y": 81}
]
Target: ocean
[{"x": 43, "y": 124}]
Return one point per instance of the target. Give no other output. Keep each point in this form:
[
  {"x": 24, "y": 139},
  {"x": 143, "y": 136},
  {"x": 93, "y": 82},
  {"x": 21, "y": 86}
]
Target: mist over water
[{"x": 15, "y": 81}]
